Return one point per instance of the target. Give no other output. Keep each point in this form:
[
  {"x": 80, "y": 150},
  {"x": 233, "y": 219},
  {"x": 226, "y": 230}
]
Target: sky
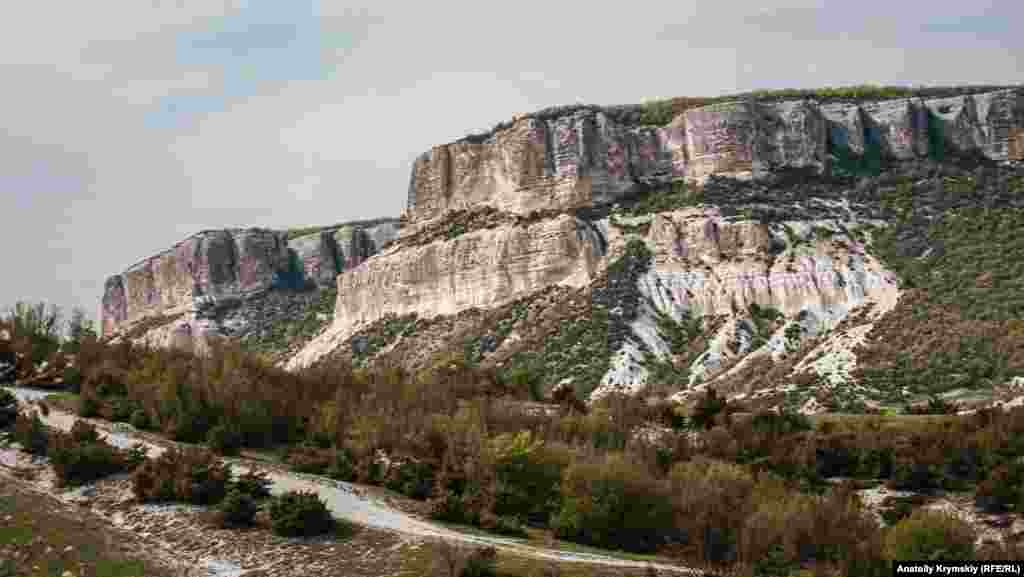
[{"x": 128, "y": 125}]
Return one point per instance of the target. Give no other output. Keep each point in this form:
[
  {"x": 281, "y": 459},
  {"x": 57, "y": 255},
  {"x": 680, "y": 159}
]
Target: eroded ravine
[{"x": 345, "y": 500}]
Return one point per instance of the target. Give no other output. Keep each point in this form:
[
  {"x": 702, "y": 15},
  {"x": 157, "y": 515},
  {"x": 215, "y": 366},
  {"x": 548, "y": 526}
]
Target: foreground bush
[
  {"x": 615, "y": 505},
  {"x": 8, "y": 408},
  {"x": 254, "y": 483},
  {"x": 300, "y": 514},
  {"x": 190, "y": 475},
  {"x": 31, "y": 434},
  {"x": 80, "y": 457},
  {"x": 237, "y": 510},
  {"x": 930, "y": 535}
]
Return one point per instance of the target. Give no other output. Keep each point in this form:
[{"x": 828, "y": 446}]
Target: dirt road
[{"x": 346, "y": 500}]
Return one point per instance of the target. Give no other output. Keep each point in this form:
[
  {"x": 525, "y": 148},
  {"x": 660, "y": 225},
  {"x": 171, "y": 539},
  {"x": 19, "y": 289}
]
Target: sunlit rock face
[
  {"x": 212, "y": 268},
  {"x": 581, "y": 156},
  {"x": 483, "y": 269},
  {"x": 212, "y": 263},
  {"x": 708, "y": 266}
]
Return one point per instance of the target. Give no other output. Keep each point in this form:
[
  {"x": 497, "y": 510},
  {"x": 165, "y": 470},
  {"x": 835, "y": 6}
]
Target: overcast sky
[{"x": 127, "y": 125}]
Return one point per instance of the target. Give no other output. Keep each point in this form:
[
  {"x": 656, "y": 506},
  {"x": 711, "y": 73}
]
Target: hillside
[{"x": 829, "y": 250}]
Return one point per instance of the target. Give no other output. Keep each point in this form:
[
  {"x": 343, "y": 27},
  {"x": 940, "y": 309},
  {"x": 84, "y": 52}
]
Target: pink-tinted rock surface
[
  {"x": 581, "y": 156},
  {"x": 210, "y": 263}
]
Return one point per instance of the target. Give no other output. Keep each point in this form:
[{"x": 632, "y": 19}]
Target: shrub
[
  {"x": 190, "y": 475},
  {"x": 88, "y": 407},
  {"x": 121, "y": 409},
  {"x": 1003, "y": 490},
  {"x": 930, "y": 535},
  {"x": 708, "y": 408},
  {"x": 238, "y": 509},
  {"x": 72, "y": 379},
  {"x": 254, "y": 483},
  {"x": 300, "y": 514},
  {"x": 77, "y": 464},
  {"x": 481, "y": 563},
  {"x": 32, "y": 434},
  {"x": 614, "y": 504},
  {"x": 136, "y": 456},
  {"x": 8, "y": 408},
  {"x": 224, "y": 439},
  {"x": 529, "y": 476},
  {"x": 342, "y": 467},
  {"x": 509, "y": 525},
  {"x": 412, "y": 479},
  {"x": 83, "y": 432},
  {"x": 140, "y": 419}
]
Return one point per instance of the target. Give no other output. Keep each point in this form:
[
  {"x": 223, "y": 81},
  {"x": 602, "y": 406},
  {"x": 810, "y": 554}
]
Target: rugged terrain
[{"x": 771, "y": 245}]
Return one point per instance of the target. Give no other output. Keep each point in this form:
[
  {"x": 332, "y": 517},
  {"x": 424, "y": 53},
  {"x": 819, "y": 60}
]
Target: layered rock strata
[
  {"x": 214, "y": 269},
  {"x": 482, "y": 269},
  {"x": 588, "y": 155}
]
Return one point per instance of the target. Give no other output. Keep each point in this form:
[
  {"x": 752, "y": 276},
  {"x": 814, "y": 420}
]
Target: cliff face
[
  {"x": 516, "y": 240},
  {"x": 167, "y": 299},
  {"x": 585, "y": 156},
  {"x": 211, "y": 263},
  {"x": 478, "y": 269},
  {"x": 727, "y": 259}
]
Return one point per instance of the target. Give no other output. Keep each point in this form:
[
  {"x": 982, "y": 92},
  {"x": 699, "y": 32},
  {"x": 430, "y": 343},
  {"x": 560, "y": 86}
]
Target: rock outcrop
[
  {"x": 169, "y": 299},
  {"x": 478, "y": 269},
  {"x": 537, "y": 203},
  {"x": 584, "y": 156}
]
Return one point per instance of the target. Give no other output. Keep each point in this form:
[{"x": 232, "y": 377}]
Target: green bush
[
  {"x": 8, "y": 408},
  {"x": 189, "y": 475},
  {"x": 140, "y": 419},
  {"x": 529, "y": 477},
  {"x": 932, "y": 536},
  {"x": 224, "y": 439},
  {"x": 708, "y": 408},
  {"x": 509, "y": 525},
  {"x": 342, "y": 467},
  {"x": 136, "y": 456},
  {"x": 80, "y": 464},
  {"x": 1003, "y": 490},
  {"x": 453, "y": 508},
  {"x": 32, "y": 434},
  {"x": 121, "y": 409},
  {"x": 254, "y": 483},
  {"x": 481, "y": 563},
  {"x": 300, "y": 514},
  {"x": 412, "y": 479},
  {"x": 88, "y": 407},
  {"x": 72, "y": 379},
  {"x": 238, "y": 509},
  {"x": 616, "y": 505}
]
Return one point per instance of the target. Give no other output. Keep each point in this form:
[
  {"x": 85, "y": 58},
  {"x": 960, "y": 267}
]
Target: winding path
[{"x": 346, "y": 500}]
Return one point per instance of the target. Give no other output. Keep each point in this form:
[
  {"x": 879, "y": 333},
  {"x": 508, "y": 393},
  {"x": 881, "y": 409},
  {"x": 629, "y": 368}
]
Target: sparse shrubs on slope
[
  {"x": 188, "y": 475},
  {"x": 931, "y": 535},
  {"x": 8, "y": 408},
  {"x": 32, "y": 434},
  {"x": 614, "y": 504},
  {"x": 300, "y": 514},
  {"x": 237, "y": 510},
  {"x": 80, "y": 457}
]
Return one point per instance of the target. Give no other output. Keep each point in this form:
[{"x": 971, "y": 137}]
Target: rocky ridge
[{"x": 758, "y": 221}]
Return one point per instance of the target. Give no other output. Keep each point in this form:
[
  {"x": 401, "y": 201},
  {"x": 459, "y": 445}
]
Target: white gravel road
[{"x": 347, "y": 500}]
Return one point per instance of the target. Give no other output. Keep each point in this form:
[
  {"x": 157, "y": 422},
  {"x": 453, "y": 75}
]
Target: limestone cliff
[
  {"x": 767, "y": 273},
  {"x": 173, "y": 298},
  {"x": 724, "y": 243},
  {"x": 583, "y": 156}
]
